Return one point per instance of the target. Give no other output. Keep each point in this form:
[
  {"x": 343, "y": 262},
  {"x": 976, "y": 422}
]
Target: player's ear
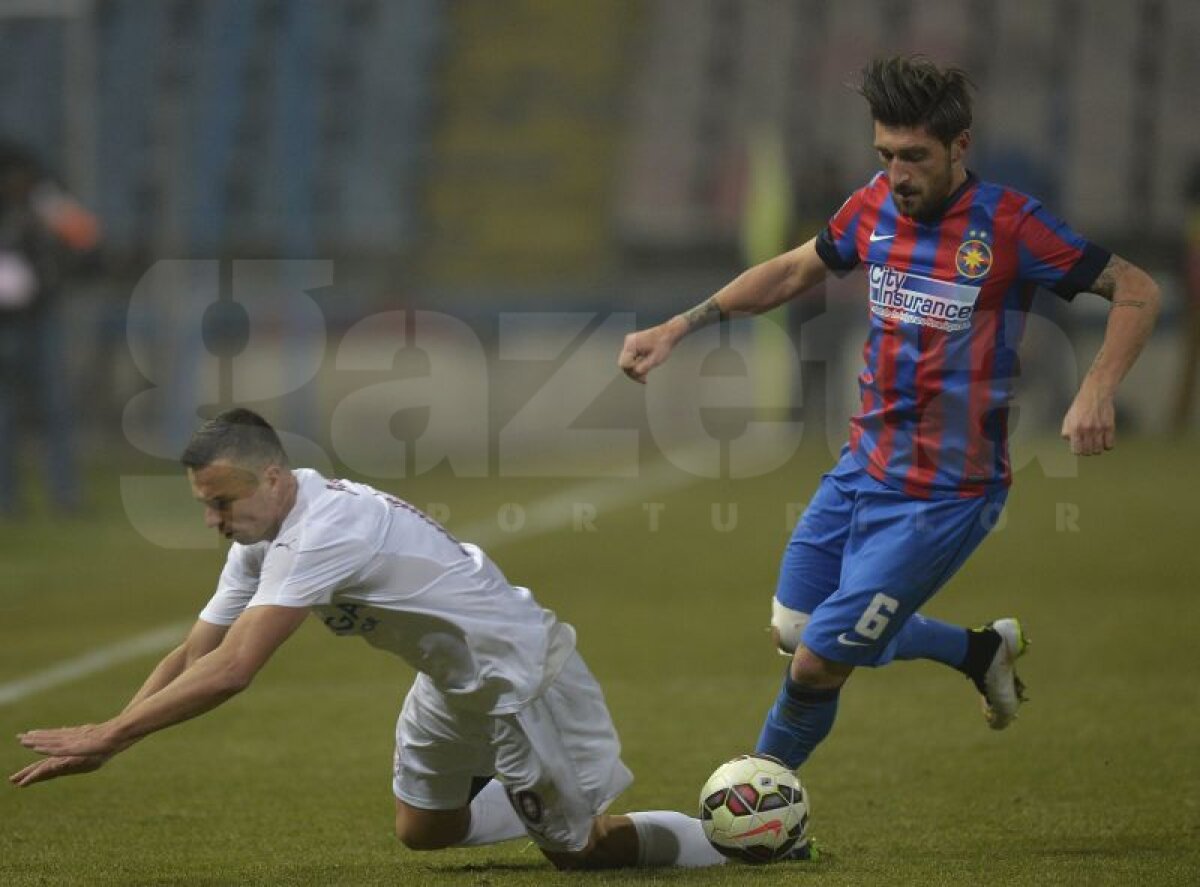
[{"x": 959, "y": 145}]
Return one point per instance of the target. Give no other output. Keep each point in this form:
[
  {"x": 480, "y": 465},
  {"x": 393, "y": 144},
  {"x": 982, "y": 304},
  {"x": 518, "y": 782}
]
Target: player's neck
[
  {"x": 287, "y": 502},
  {"x": 958, "y": 175},
  {"x": 958, "y": 178}
]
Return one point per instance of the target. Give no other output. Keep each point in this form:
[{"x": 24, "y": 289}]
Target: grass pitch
[{"x": 1098, "y": 783}]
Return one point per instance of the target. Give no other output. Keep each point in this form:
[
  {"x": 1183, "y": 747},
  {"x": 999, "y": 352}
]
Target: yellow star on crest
[{"x": 974, "y": 259}]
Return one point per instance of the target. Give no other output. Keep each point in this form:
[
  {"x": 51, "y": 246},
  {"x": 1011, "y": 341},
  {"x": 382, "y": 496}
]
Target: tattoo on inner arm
[
  {"x": 707, "y": 312},
  {"x": 1106, "y": 284}
]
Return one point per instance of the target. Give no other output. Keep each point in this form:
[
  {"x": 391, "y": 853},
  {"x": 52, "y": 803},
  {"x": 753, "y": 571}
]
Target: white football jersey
[{"x": 373, "y": 566}]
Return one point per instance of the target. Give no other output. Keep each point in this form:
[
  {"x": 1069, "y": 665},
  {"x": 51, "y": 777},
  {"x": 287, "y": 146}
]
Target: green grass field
[{"x": 1098, "y": 783}]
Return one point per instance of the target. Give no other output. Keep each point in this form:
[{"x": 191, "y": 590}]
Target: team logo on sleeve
[
  {"x": 974, "y": 256},
  {"x": 529, "y": 805},
  {"x": 912, "y": 298}
]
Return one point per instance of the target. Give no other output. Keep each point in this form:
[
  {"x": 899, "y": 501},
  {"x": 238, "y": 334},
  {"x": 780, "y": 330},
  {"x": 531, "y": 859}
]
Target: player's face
[
  {"x": 922, "y": 171},
  {"x": 241, "y": 504}
]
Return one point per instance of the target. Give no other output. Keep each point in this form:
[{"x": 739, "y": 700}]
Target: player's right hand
[
  {"x": 646, "y": 349},
  {"x": 54, "y": 767}
]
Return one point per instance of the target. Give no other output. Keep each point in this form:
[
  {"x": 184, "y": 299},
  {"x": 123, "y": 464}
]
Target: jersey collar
[{"x": 958, "y": 192}]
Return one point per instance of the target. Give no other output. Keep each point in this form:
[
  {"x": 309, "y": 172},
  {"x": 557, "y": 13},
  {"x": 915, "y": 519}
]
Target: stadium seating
[
  {"x": 491, "y": 135},
  {"x": 1065, "y": 100},
  {"x": 524, "y": 151},
  {"x": 241, "y": 125}
]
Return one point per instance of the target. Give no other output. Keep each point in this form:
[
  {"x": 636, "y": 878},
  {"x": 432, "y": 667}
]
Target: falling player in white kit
[{"x": 500, "y": 691}]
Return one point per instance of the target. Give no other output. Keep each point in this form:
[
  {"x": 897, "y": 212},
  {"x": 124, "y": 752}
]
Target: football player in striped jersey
[{"x": 953, "y": 264}]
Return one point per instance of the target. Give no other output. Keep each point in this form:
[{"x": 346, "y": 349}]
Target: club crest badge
[{"x": 974, "y": 257}]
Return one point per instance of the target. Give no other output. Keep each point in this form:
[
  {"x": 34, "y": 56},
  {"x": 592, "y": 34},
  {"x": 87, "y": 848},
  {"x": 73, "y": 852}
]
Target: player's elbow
[
  {"x": 1153, "y": 295},
  {"x": 1141, "y": 287}
]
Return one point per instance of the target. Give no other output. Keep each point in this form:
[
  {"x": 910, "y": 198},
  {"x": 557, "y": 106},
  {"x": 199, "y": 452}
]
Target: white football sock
[
  {"x": 667, "y": 837},
  {"x": 492, "y": 818}
]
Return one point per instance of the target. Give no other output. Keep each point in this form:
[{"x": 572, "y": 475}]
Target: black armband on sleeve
[
  {"x": 829, "y": 254},
  {"x": 1084, "y": 272}
]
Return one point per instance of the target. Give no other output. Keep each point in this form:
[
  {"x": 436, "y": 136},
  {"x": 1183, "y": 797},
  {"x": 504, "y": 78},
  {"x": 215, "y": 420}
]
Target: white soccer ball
[{"x": 753, "y": 808}]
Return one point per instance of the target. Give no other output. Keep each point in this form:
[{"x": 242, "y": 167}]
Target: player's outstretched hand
[
  {"x": 1090, "y": 425},
  {"x": 54, "y": 767},
  {"x": 646, "y": 349},
  {"x": 86, "y": 739}
]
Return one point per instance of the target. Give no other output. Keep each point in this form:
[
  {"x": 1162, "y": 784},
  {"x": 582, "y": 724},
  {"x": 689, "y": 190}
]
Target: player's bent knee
[
  {"x": 787, "y": 625},
  {"x": 430, "y": 829},
  {"x": 815, "y": 671},
  {"x": 421, "y": 842},
  {"x": 415, "y": 837}
]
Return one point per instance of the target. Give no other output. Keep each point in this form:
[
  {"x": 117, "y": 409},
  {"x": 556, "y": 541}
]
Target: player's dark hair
[
  {"x": 910, "y": 90},
  {"x": 239, "y": 435}
]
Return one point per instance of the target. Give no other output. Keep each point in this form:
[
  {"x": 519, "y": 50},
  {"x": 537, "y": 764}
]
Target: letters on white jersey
[{"x": 370, "y": 565}]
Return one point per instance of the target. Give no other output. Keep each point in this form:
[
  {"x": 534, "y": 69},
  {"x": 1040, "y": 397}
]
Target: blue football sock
[
  {"x": 925, "y": 638},
  {"x": 797, "y": 722}
]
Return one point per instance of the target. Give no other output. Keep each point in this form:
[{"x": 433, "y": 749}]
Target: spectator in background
[{"x": 40, "y": 226}]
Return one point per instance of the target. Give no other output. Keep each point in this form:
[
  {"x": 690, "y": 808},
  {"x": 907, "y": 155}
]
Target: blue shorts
[{"x": 864, "y": 557}]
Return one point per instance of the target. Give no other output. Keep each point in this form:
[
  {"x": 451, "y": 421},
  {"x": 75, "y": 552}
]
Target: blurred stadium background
[
  {"x": 473, "y": 158},
  {"x": 413, "y": 233}
]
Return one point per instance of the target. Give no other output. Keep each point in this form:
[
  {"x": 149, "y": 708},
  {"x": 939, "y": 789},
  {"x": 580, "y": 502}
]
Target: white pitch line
[
  {"x": 556, "y": 511},
  {"x": 161, "y": 638},
  {"x": 544, "y": 516}
]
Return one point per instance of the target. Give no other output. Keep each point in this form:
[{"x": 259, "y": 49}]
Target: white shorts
[{"x": 558, "y": 757}]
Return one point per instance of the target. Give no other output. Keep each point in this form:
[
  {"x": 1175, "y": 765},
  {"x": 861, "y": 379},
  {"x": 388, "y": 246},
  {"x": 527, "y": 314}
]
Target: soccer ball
[{"x": 753, "y": 808}]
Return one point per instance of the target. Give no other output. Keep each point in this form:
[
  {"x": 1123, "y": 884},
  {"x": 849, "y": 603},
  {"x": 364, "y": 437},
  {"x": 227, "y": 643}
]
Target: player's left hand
[
  {"x": 56, "y": 766},
  {"x": 86, "y": 739},
  {"x": 1090, "y": 425}
]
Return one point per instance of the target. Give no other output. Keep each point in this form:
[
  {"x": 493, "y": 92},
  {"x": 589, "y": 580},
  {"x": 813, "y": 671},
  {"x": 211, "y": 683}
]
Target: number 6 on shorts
[{"x": 876, "y": 617}]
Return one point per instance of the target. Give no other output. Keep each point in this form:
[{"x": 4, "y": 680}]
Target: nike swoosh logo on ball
[{"x": 773, "y": 826}]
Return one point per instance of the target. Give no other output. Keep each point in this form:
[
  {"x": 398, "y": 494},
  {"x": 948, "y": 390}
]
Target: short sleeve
[
  {"x": 296, "y": 574},
  {"x": 1052, "y": 255},
  {"x": 237, "y": 585},
  {"x": 836, "y": 243}
]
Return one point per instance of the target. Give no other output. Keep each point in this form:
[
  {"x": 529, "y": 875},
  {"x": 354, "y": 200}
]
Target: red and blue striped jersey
[{"x": 948, "y": 303}]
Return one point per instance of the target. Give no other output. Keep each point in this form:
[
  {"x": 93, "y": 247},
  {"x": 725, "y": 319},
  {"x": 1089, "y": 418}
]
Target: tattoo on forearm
[
  {"x": 706, "y": 313},
  {"x": 1106, "y": 284}
]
